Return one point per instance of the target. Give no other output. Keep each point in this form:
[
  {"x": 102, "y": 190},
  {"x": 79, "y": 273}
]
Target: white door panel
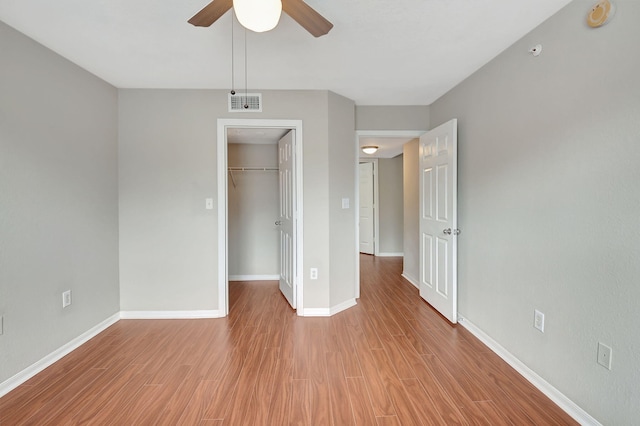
[
  {"x": 287, "y": 217},
  {"x": 438, "y": 219}
]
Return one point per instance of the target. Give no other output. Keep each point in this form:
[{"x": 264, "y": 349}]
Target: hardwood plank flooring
[{"x": 390, "y": 360}]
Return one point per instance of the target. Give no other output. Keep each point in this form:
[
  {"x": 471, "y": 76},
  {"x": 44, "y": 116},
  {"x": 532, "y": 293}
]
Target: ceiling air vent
[{"x": 252, "y": 102}]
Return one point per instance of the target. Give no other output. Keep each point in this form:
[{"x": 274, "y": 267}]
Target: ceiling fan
[{"x": 301, "y": 12}]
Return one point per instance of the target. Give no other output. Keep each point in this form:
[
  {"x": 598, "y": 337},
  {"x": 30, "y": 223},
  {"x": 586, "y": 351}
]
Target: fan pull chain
[
  {"x": 233, "y": 84},
  {"x": 246, "y": 102}
]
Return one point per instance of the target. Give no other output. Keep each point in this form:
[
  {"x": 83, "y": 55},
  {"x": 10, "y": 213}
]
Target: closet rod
[{"x": 252, "y": 169}]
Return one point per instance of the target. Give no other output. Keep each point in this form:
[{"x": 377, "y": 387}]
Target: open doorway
[
  {"x": 383, "y": 172},
  {"x": 263, "y": 165},
  {"x": 253, "y": 203},
  {"x": 387, "y": 215}
]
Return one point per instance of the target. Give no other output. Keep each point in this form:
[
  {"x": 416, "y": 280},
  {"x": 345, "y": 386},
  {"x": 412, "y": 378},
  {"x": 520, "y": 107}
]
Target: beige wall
[
  {"x": 342, "y": 179},
  {"x": 58, "y": 201},
  {"x": 392, "y": 117},
  {"x": 548, "y": 204},
  {"x": 167, "y": 162},
  {"x": 390, "y": 205},
  {"x": 411, "y": 215},
  {"x": 167, "y": 167}
]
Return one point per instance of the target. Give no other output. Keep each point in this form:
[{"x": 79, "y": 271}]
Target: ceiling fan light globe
[{"x": 258, "y": 15}]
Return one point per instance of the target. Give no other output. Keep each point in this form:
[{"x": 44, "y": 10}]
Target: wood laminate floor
[{"x": 390, "y": 360}]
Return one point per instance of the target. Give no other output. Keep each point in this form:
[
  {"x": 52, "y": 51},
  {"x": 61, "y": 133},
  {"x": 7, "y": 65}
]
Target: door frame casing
[{"x": 222, "y": 226}]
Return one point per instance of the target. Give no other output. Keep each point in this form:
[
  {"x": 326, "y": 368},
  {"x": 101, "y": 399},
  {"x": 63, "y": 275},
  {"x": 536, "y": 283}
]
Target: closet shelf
[
  {"x": 252, "y": 169},
  {"x": 249, "y": 169}
]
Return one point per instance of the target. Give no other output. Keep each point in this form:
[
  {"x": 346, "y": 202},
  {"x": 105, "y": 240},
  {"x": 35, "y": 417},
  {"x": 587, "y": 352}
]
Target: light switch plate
[{"x": 345, "y": 203}]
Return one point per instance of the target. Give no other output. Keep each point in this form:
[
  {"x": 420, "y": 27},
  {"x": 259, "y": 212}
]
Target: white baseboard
[
  {"x": 254, "y": 277},
  {"x": 169, "y": 314},
  {"x": 543, "y": 386},
  {"x": 343, "y": 306},
  {"x": 411, "y": 280},
  {"x": 327, "y": 312},
  {"x": 390, "y": 254},
  {"x": 15, "y": 381}
]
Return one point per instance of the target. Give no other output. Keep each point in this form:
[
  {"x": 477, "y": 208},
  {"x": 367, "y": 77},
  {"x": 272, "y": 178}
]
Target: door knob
[
  {"x": 278, "y": 223},
  {"x": 450, "y": 231},
  {"x": 447, "y": 231}
]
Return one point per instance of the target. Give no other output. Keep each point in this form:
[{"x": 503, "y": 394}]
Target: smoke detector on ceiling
[{"x": 536, "y": 50}]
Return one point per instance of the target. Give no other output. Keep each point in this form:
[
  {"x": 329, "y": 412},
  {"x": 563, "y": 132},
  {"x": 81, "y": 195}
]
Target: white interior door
[
  {"x": 366, "y": 208},
  {"x": 287, "y": 217},
  {"x": 438, "y": 219}
]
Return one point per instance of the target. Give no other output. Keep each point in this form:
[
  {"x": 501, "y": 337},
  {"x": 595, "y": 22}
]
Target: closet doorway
[{"x": 260, "y": 205}]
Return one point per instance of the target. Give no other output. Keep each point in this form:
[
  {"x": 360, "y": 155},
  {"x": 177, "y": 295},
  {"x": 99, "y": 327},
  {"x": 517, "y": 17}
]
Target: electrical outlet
[
  {"x": 66, "y": 298},
  {"x": 538, "y": 320},
  {"x": 604, "y": 355},
  {"x": 313, "y": 273}
]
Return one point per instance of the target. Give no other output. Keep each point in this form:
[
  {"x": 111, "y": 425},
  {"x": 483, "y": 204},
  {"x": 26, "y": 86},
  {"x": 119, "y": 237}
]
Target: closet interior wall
[{"x": 253, "y": 211}]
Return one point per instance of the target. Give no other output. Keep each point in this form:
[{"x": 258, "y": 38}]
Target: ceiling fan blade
[
  {"x": 308, "y": 18},
  {"x": 211, "y": 12}
]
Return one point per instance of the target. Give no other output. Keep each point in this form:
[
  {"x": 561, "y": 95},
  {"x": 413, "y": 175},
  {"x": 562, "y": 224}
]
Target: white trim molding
[
  {"x": 254, "y": 277},
  {"x": 221, "y": 162},
  {"x": 327, "y": 312},
  {"x": 35, "y": 368},
  {"x": 542, "y": 385},
  {"x": 411, "y": 280},
  {"x": 170, "y": 314},
  {"x": 343, "y": 306},
  {"x": 390, "y": 254}
]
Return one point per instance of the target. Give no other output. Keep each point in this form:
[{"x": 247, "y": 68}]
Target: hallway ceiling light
[
  {"x": 369, "y": 149},
  {"x": 258, "y": 15}
]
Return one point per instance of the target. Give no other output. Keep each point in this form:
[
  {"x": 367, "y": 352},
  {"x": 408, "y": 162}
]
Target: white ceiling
[
  {"x": 257, "y": 136},
  {"x": 380, "y": 52}
]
